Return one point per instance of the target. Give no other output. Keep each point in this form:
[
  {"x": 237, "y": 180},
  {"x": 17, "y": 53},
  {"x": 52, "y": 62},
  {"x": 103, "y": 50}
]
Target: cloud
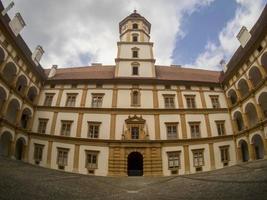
[
  {"x": 75, "y": 33},
  {"x": 246, "y": 14}
]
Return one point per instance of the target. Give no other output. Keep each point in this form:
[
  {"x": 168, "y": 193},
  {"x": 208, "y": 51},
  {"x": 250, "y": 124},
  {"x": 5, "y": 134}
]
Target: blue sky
[
  {"x": 192, "y": 33},
  {"x": 201, "y": 26}
]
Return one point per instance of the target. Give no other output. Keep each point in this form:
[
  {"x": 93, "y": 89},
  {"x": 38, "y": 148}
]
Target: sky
[{"x": 191, "y": 33}]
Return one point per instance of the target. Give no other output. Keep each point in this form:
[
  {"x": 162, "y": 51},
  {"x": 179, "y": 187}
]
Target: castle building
[{"x": 134, "y": 117}]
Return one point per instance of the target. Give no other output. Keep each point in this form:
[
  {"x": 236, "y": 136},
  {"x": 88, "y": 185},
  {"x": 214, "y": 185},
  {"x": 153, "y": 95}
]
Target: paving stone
[{"x": 20, "y": 180}]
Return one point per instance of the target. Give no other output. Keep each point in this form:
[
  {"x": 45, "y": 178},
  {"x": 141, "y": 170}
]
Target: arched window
[
  {"x": 25, "y": 118},
  {"x": 251, "y": 114},
  {"x": 32, "y": 93},
  {"x": 264, "y": 60},
  {"x": 2, "y": 55},
  {"x": 3, "y": 97},
  {"x": 9, "y": 72},
  {"x": 239, "y": 121},
  {"x": 21, "y": 83},
  {"x": 12, "y": 110},
  {"x": 255, "y": 76},
  {"x": 135, "y": 26},
  {"x": 263, "y": 103},
  {"x": 135, "y": 98},
  {"x": 232, "y": 96},
  {"x": 243, "y": 87}
]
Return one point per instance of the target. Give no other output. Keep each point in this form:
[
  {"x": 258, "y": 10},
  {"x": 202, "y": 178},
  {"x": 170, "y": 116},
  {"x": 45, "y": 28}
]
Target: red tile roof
[{"x": 163, "y": 73}]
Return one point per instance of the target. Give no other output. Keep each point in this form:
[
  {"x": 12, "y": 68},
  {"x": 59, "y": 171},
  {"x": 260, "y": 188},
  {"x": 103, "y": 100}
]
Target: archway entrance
[
  {"x": 20, "y": 146},
  {"x": 5, "y": 142},
  {"x": 258, "y": 147},
  {"x": 244, "y": 150},
  {"x": 135, "y": 164}
]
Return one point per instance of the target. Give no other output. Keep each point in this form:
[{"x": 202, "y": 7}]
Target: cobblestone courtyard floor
[{"x": 23, "y": 181}]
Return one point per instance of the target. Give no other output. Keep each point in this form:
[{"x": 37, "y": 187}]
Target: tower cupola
[
  {"x": 134, "y": 25},
  {"x": 135, "y": 51}
]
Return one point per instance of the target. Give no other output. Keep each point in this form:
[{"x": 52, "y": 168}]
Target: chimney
[
  {"x": 243, "y": 36},
  {"x": 53, "y": 71},
  {"x": 179, "y": 66},
  {"x": 37, "y": 54},
  {"x": 4, "y": 12},
  {"x": 17, "y": 24},
  {"x": 97, "y": 64},
  {"x": 224, "y": 65}
]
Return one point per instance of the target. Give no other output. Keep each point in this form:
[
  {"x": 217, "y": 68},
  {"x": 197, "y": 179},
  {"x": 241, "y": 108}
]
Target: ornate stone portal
[{"x": 135, "y": 156}]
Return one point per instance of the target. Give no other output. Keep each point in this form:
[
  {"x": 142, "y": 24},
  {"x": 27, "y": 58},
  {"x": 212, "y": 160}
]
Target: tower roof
[{"x": 135, "y": 16}]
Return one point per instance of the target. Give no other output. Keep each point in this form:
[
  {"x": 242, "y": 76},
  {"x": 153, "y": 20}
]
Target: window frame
[
  {"x": 169, "y": 100},
  {"x": 62, "y": 156},
  {"x": 171, "y": 135},
  {"x": 38, "y": 152},
  {"x": 174, "y": 156},
  {"x": 97, "y": 100},
  {"x": 64, "y": 130},
  {"x": 96, "y": 127},
  {"x": 137, "y": 70},
  {"x": 225, "y": 154},
  {"x": 198, "y": 157},
  {"x": 220, "y": 125},
  {"x": 138, "y": 98},
  {"x": 42, "y": 125},
  {"x": 135, "y": 52},
  {"x": 71, "y": 99},
  {"x": 190, "y": 101},
  {"x": 48, "y": 101},
  {"x": 193, "y": 129},
  {"x": 135, "y": 136},
  {"x": 94, "y": 157},
  {"x": 215, "y": 101},
  {"x": 135, "y": 26}
]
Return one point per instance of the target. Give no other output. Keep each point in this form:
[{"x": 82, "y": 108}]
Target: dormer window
[{"x": 135, "y": 26}]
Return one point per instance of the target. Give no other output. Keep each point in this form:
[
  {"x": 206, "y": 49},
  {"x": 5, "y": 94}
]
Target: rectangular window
[
  {"x": 62, "y": 157},
  {"x": 225, "y": 157},
  {"x": 91, "y": 159},
  {"x": 42, "y": 125},
  {"x": 135, "y": 38},
  {"x": 190, "y": 101},
  {"x": 169, "y": 101},
  {"x": 38, "y": 153},
  {"x": 195, "y": 129},
  {"x": 215, "y": 101},
  {"x": 198, "y": 157},
  {"x": 171, "y": 130},
  {"x": 48, "y": 99},
  {"x": 65, "y": 128},
  {"x": 71, "y": 99},
  {"x": 135, "y": 70},
  {"x": 97, "y": 100},
  {"x": 93, "y": 129},
  {"x": 135, "y": 54},
  {"x": 173, "y": 160},
  {"x": 220, "y": 127},
  {"x": 135, "y": 133}
]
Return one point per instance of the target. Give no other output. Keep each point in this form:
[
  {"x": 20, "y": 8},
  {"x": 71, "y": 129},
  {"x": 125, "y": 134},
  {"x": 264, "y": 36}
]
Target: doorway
[
  {"x": 20, "y": 145},
  {"x": 135, "y": 164}
]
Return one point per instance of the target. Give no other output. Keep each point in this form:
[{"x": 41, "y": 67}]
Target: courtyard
[{"x": 24, "y": 181}]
